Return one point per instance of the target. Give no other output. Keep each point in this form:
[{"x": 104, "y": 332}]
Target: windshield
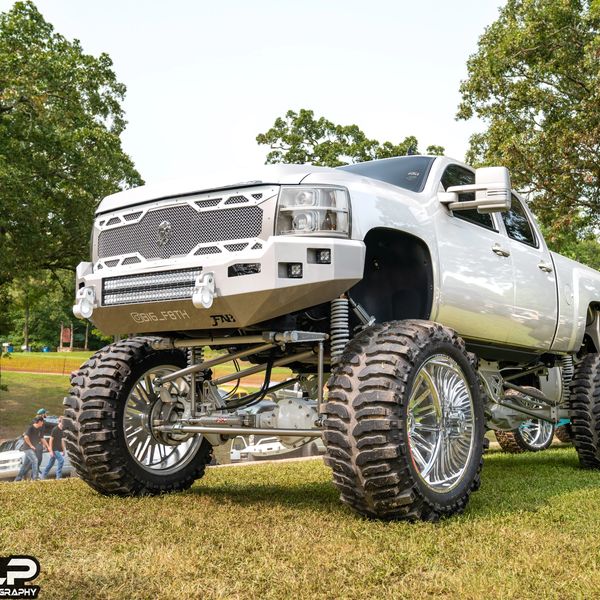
[{"x": 408, "y": 172}]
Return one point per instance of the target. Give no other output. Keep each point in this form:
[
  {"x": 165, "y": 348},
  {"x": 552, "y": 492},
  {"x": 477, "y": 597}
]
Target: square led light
[
  {"x": 294, "y": 270},
  {"x": 324, "y": 256}
]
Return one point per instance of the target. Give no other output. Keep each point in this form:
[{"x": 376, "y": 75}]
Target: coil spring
[
  {"x": 567, "y": 371},
  {"x": 340, "y": 327},
  {"x": 195, "y": 355}
]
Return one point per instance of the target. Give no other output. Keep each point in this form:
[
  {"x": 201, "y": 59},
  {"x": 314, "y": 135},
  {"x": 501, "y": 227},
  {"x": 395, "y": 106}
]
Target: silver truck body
[
  {"x": 421, "y": 293},
  {"x": 491, "y": 289}
]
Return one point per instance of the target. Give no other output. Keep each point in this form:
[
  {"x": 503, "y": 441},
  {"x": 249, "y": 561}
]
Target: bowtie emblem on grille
[{"x": 164, "y": 234}]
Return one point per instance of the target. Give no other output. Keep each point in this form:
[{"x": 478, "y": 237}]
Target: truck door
[
  {"x": 536, "y": 305},
  {"x": 476, "y": 292}
]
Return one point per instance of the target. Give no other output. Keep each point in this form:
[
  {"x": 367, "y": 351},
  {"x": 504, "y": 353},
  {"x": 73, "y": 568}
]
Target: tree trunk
[{"x": 26, "y": 325}]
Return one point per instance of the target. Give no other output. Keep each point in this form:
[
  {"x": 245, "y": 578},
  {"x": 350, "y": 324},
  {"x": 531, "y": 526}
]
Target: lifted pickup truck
[{"x": 419, "y": 289}]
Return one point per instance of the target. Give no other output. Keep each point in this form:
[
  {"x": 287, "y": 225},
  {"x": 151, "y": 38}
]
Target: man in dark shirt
[
  {"x": 33, "y": 442},
  {"x": 57, "y": 451},
  {"x": 42, "y": 412}
]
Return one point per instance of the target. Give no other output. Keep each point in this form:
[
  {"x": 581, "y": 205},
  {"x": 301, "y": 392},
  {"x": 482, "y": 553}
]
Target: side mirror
[{"x": 492, "y": 192}]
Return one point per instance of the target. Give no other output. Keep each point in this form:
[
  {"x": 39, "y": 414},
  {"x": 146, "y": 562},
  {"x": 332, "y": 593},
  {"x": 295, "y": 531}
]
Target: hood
[{"x": 263, "y": 175}]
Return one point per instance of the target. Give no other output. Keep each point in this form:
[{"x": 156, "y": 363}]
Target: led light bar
[
  {"x": 162, "y": 278},
  {"x": 165, "y": 285}
]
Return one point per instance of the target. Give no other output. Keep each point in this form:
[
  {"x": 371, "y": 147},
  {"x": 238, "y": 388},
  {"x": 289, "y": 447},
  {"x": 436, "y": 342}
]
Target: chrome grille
[{"x": 188, "y": 228}]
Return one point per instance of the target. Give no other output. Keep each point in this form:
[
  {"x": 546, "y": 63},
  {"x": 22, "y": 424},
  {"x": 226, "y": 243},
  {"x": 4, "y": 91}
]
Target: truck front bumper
[{"x": 286, "y": 275}]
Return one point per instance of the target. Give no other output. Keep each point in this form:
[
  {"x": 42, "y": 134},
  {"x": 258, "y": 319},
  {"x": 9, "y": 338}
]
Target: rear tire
[
  {"x": 533, "y": 436},
  {"x": 107, "y": 417},
  {"x": 405, "y": 424},
  {"x": 584, "y": 403},
  {"x": 563, "y": 433}
]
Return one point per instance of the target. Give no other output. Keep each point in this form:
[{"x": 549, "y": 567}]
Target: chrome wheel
[
  {"x": 440, "y": 423},
  {"x": 536, "y": 434},
  {"x": 157, "y": 454}
]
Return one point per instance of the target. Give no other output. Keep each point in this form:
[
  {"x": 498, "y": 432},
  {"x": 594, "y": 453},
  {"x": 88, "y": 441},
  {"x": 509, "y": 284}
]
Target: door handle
[
  {"x": 499, "y": 250},
  {"x": 545, "y": 267}
]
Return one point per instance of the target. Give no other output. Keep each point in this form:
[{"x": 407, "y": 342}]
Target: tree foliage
[
  {"x": 535, "y": 82},
  {"x": 299, "y": 138},
  {"x": 37, "y": 304},
  {"x": 60, "y": 149}
]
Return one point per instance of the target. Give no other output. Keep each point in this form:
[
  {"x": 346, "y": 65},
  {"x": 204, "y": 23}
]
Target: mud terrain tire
[
  {"x": 584, "y": 404},
  {"x": 367, "y": 430},
  {"x": 563, "y": 433},
  {"x": 520, "y": 440},
  {"x": 93, "y": 423},
  {"x": 515, "y": 442}
]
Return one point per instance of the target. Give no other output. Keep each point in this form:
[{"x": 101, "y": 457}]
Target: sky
[{"x": 204, "y": 78}]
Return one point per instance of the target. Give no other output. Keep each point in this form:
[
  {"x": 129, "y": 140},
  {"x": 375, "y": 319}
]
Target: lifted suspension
[{"x": 231, "y": 424}]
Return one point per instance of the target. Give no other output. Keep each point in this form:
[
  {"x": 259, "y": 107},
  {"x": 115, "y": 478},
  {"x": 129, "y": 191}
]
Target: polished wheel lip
[
  {"x": 440, "y": 423},
  {"x": 536, "y": 433},
  {"x": 144, "y": 448}
]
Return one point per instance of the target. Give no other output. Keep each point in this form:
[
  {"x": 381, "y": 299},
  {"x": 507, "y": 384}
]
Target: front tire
[
  {"x": 108, "y": 414},
  {"x": 405, "y": 424}
]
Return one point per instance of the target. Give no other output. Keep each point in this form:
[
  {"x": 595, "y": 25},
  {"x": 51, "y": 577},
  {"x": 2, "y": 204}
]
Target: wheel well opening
[
  {"x": 397, "y": 281},
  {"x": 591, "y": 339}
]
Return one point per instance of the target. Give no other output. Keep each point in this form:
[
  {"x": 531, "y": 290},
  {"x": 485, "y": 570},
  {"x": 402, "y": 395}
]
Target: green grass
[
  {"x": 26, "y": 393},
  {"x": 78, "y": 355},
  {"x": 45, "y": 362},
  {"x": 278, "y": 531},
  {"x": 63, "y": 363}
]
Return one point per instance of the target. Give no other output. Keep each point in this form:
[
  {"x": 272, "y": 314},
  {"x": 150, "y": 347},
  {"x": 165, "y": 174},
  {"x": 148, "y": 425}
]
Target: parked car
[
  {"x": 11, "y": 456},
  {"x": 246, "y": 450}
]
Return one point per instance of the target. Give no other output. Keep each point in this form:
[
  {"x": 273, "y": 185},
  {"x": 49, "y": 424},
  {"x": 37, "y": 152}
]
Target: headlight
[{"x": 311, "y": 210}]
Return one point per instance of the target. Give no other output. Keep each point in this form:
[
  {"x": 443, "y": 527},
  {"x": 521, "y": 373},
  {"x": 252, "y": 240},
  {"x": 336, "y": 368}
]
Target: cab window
[
  {"x": 457, "y": 175},
  {"x": 518, "y": 226}
]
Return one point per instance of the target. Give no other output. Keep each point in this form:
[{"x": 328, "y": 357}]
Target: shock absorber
[
  {"x": 567, "y": 370},
  {"x": 340, "y": 327}
]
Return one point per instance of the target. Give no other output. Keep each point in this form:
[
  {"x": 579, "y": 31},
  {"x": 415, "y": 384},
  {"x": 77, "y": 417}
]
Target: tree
[
  {"x": 60, "y": 148},
  {"x": 300, "y": 138},
  {"x": 37, "y": 305},
  {"x": 535, "y": 82}
]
